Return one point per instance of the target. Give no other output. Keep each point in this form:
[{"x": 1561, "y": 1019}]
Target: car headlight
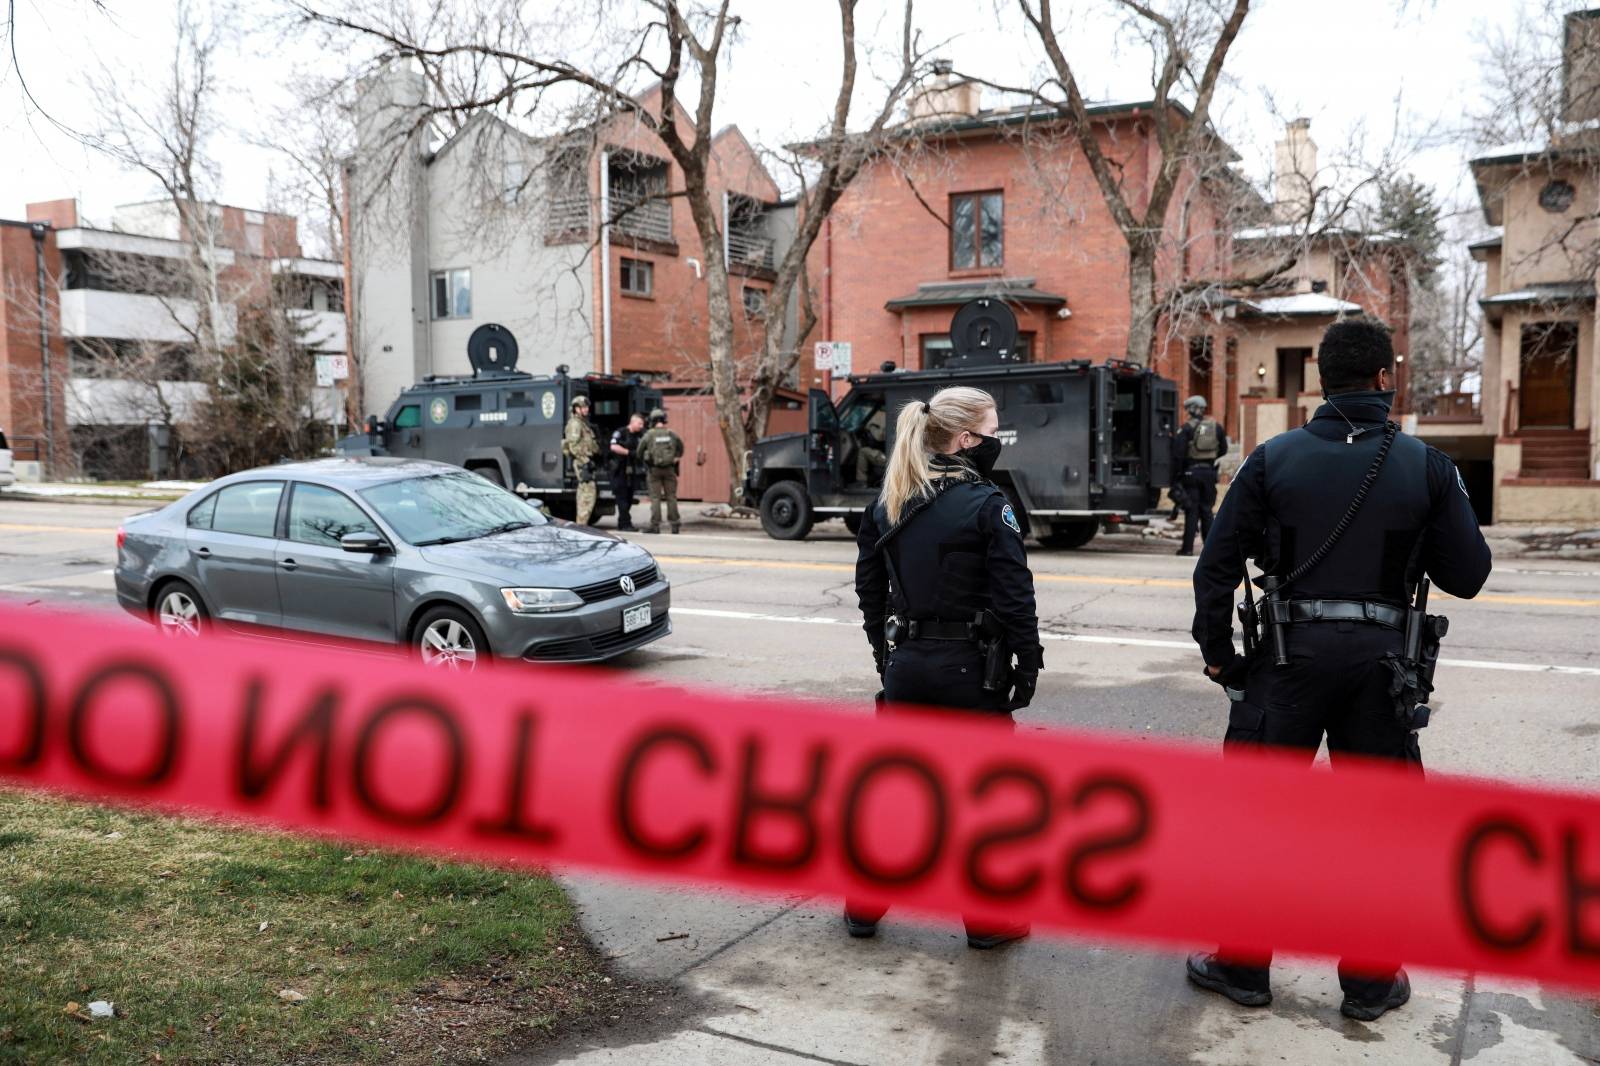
[{"x": 541, "y": 601}]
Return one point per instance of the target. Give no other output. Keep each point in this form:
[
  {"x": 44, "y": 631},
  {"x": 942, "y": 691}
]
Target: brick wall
[{"x": 22, "y": 400}]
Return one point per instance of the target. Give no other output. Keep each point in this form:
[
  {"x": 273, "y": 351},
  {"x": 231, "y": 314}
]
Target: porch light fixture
[
  {"x": 1399, "y": 359},
  {"x": 1261, "y": 370}
]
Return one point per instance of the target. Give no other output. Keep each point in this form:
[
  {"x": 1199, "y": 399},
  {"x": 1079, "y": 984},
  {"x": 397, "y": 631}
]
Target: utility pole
[{"x": 39, "y": 230}]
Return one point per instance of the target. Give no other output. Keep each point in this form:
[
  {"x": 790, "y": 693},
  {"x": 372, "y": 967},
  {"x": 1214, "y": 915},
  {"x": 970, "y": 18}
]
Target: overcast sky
[{"x": 1344, "y": 65}]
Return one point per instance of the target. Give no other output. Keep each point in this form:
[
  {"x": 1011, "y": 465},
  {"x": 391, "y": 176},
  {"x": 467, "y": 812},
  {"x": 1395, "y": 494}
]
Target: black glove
[
  {"x": 880, "y": 655},
  {"x": 1233, "y": 672},
  {"x": 1023, "y": 685}
]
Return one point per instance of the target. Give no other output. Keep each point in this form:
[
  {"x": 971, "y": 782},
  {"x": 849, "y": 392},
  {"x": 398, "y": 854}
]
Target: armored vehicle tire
[
  {"x": 1066, "y": 535},
  {"x": 852, "y": 522},
  {"x": 786, "y": 511},
  {"x": 489, "y": 473}
]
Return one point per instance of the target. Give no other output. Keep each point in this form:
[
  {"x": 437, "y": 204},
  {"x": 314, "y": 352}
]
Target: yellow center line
[
  {"x": 20, "y": 527},
  {"x": 1083, "y": 579}
]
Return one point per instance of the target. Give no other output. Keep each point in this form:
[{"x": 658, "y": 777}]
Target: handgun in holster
[
  {"x": 1412, "y": 670},
  {"x": 996, "y": 653}
]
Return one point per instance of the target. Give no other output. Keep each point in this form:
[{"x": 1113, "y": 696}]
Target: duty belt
[
  {"x": 931, "y": 629},
  {"x": 1337, "y": 611}
]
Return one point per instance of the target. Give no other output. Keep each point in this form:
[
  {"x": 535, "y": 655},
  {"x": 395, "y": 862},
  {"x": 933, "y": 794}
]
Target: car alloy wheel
[
  {"x": 178, "y": 615},
  {"x": 446, "y": 643}
]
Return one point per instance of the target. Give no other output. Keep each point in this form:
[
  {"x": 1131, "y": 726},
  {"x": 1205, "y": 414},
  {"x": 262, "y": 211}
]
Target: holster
[
  {"x": 1411, "y": 677},
  {"x": 996, "y": 653}
]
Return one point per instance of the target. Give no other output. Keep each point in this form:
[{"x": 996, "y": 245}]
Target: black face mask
[{"x": 983, "y": 455}]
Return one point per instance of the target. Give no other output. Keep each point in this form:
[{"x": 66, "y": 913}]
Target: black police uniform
[
  {"x": 957, "y": 553},
  {"x": 622, "y": 475},
  {"x": 1284, "y": 502},
  {"x": 1198, "y": 481}
]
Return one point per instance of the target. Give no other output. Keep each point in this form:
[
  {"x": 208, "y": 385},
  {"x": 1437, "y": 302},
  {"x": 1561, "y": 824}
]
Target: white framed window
[
  {"x": 452, "y": 293},
  {"x": 638, "y": 277}
]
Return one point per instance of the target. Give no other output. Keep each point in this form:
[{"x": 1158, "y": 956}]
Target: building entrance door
[
  {"x": 1549, "y": 375},
  {"x": 1292, "y": 373}
]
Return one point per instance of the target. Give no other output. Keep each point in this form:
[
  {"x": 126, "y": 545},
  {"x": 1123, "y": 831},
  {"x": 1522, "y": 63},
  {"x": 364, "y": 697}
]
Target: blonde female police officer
[{"x": 940, "y": 547}]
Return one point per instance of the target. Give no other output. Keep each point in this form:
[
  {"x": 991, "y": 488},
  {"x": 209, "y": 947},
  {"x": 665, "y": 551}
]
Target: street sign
[
  {"x": 841, "y": 357},
  {"x": 332, "y": 368},
  {"x": 824, "y": 355}
]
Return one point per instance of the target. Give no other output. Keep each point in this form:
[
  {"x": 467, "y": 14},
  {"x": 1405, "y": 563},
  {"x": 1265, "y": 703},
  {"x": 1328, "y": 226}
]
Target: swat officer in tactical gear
[
  {"x": 1195, "y": 451},
  {"x": 1343, "y": 563},
  {"x": 624, "y": 443},
  {"x": 943, "y": 581},
  {"x": 660, "y": 449},
  {"x": 579, "y": 445}
]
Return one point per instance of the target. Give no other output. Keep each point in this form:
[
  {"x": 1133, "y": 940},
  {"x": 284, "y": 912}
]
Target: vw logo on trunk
[{"x": 627, "y": 585}]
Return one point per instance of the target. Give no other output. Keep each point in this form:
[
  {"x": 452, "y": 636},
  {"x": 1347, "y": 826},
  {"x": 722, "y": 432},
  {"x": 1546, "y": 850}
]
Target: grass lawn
[{"x": 204, "y": 936}]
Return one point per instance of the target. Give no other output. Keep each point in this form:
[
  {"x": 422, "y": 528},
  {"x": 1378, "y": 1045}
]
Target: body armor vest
[{"x": 1310, "y": 482}]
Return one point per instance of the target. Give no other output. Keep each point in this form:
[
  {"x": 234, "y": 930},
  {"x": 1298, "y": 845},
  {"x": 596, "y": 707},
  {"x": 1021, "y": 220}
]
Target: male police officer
[
  {"x": 579, "y": 444},
  {"x": 624, "y": 441},
  {"x": 1347, "y": 560},
  {"x": 1195, "y": 451},
  {"x": 660, "y": 448}
]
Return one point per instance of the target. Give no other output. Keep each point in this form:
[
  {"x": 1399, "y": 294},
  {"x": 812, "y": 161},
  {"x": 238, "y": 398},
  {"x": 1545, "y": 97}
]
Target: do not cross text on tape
[{"x": 941, "y": 814}]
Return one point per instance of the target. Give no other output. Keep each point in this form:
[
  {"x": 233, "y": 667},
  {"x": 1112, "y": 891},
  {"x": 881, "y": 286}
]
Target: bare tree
[
  {"x": 164, "y": 132},
  {"x": 492, "y": 60},
  {"x": 1189, "y": 47}
]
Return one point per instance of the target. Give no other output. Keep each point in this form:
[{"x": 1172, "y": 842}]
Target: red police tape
[{"x": 1093, "y": 834}]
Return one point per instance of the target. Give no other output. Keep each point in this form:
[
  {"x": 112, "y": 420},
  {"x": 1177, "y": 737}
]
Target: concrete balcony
[
  {"x": 129, "y": 316},
  {"x": 119, "y": 402},
  {"x": 324, "y": 330}
]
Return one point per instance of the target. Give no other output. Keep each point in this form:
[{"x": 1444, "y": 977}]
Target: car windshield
[{"x": 443, "y": 508}]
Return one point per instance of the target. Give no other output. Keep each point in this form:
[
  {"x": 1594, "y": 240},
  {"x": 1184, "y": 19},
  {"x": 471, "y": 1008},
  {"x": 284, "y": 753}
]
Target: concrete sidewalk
[{"x": 780, "y": 982}]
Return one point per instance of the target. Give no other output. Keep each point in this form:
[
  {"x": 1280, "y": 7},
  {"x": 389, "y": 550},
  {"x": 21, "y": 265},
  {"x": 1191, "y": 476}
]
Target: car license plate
[{"x": 635, "y": 618}]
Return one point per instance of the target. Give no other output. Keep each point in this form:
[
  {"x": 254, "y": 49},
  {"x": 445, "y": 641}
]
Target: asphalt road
[{"x": 779, "y": 982}]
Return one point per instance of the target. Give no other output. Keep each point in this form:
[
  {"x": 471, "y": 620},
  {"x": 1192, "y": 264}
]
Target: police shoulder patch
[{"x": 1009, "y": 517}]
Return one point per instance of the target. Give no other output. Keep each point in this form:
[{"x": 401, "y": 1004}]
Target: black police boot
[
  {"x": 677, "y": 528},
  {"x": 1370, "y": 1010},
  {"x": 985, "y": 941},
  {"x": 1185, "y": 551},
  {"x": 859, "y": 928},
  {"x": 1213, "y": 975},
  {"x": 652, "y": 529}
]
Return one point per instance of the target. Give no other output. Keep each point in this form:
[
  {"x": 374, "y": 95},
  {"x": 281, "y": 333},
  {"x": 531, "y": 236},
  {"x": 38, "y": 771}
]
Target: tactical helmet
[
  {"x": 579, "y": 401},
  {"x": 1195, "y": 404},
  {"x": 657, "y": 415}
]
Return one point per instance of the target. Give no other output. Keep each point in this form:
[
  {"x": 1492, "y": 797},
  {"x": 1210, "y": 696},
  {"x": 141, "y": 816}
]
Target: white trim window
[
  {"x": 451, "y": 293},
  {"x": 638, "y": 277}
]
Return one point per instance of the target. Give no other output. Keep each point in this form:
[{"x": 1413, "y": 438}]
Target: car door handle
[
  {"x": 203, "y": 552},
  {"x": 289, "y": 564}
]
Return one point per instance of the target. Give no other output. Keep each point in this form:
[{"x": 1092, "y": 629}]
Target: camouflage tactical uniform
[
  {"x": 662, "y": 478},
  {"x": 580, "y": 445}
]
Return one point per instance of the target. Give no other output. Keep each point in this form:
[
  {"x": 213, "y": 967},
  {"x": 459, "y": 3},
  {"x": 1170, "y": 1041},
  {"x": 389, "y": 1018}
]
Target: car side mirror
[{"x": 363, "y": 542}]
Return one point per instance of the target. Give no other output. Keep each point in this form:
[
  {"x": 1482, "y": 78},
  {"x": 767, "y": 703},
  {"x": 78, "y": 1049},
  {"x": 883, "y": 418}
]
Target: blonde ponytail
[{"x": 923, "y": 430}]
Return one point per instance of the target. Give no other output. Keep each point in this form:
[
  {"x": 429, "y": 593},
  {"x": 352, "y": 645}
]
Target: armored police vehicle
[
  {"x": 504, "y": 424},
  {"x": 1084, "y": 443}
]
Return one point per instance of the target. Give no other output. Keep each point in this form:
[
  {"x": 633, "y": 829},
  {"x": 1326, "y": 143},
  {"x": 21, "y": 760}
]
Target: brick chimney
[
  {"x": 1295, "y": 172},
  {"x": 1580, "y": 67},
  {"x": 61, "y": 214},
  {"x": 947, "y": 97}
]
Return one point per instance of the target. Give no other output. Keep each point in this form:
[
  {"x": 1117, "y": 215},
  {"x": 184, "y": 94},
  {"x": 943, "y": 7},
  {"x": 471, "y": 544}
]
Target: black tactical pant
[
  {"x": 935, "y": 673},
  {"x": 1336, "y": 684},
  {"x": 1199, "y": 501},
  {"x": 622, "y": 492}
]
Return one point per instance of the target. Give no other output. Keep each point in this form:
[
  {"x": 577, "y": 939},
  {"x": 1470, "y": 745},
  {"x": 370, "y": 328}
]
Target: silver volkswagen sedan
[{"x": 395, "y": 551}]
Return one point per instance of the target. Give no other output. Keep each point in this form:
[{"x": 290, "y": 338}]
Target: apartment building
[
  {"x": 112, "y": 307},
  {"x": 491, "y": 224},
  {"x": 1533, "y": 420}
]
